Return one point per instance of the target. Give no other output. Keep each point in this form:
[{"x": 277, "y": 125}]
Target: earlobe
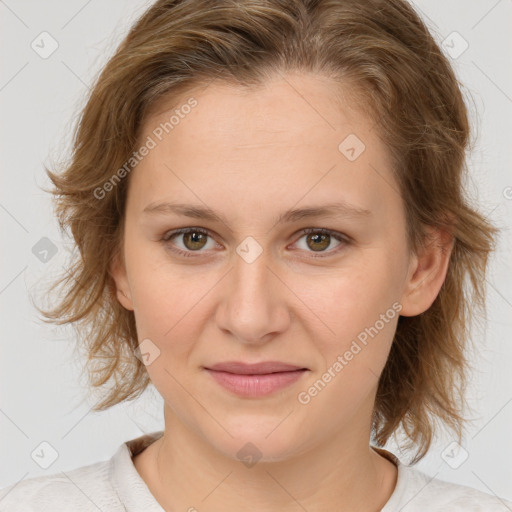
[
  {"x": 124, "y": 300},
  {"x": 119, "y": 275},
  {"x": 427, "y": 272}
]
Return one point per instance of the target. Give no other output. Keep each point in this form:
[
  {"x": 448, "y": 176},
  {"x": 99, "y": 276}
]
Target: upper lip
[{"x": 254, "y": 369}]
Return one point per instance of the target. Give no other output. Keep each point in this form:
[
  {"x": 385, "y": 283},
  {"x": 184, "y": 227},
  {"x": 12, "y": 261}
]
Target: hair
[{"x": 381, "y": 52}]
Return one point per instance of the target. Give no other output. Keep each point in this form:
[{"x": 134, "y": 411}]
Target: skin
[{"x": 250, "y": 155}]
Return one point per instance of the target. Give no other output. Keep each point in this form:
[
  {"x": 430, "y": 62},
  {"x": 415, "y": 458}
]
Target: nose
[{"x": 253, "y": 304}]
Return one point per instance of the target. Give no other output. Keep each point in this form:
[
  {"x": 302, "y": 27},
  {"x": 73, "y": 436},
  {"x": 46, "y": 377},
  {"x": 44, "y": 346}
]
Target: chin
[{"x": 259, "y": 440}]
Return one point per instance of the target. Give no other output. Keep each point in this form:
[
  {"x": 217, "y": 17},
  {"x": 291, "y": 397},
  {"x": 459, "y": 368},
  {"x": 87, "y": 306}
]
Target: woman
[{"x": 267, "y": 201}]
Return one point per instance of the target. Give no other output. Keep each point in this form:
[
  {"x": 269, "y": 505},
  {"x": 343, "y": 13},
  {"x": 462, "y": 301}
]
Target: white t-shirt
[{"x": 115, "y": 485}]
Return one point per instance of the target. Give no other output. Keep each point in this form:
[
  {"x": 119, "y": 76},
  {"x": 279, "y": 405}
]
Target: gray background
[{"x": 42, "y": 398}]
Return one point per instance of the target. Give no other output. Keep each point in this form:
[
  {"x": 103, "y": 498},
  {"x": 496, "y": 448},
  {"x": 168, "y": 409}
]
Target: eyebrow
[{"x": 293, "y": 215}]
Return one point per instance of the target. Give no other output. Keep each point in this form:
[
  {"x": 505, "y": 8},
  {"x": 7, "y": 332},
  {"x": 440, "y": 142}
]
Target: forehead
[
  {"x": 293, "y": 136},
  {"x": 291, "y": 105}
]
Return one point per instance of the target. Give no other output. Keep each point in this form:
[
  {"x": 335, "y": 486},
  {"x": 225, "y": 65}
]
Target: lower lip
[{"x": 255, "y": 385}]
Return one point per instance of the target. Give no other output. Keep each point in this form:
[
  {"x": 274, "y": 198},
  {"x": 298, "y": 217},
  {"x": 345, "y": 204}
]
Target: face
[{"x": 249, "y": 284}]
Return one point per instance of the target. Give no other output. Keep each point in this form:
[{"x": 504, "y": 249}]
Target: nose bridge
[
  {"x": 253, "y": 305},
  {"x": 251, "y": 272}
]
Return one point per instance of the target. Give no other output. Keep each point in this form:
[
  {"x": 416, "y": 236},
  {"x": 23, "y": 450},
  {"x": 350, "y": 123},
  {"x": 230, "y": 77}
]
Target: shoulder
[
  {"x": 104, "y": 486},
  {"x": 429, "y": 493},
  {"x": 86, "y": 488}
]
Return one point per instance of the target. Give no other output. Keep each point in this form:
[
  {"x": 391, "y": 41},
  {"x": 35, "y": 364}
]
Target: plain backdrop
[{"x": 42, "y": 399}]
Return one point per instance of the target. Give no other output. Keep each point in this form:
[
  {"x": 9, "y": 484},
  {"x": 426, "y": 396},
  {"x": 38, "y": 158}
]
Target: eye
[
  {"x": 319, "y": 239},
  {"x": 195, "y": 239}
]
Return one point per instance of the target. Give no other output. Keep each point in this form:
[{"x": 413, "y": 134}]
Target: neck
[{"x": 185, "y": 472}]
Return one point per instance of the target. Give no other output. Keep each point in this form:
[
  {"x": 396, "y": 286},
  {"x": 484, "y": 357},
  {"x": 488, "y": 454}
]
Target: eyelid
[{"x": 170, "y": 234}]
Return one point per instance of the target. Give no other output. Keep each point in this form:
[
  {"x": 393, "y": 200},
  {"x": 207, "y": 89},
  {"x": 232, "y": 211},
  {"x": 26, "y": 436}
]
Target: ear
[
  {"x": 427, "y": 272},
  {"x": 118, "y": 273}
]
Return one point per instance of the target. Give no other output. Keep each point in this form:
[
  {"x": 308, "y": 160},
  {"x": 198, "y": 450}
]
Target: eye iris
[
  {"x": 196, "y": 238},
  {"x": 319, "y": 237}
]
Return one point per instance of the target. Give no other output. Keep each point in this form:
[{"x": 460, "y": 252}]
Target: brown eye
[
  {"x": 194, "y": 240},
  {"x": 187, "y": 241},
  {"x": 318, "y": 241}
]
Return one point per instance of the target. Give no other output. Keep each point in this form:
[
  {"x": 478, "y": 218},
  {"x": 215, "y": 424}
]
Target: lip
[
  {"x": 262, "y": 368},
  {"x": 255, "y": 380}
]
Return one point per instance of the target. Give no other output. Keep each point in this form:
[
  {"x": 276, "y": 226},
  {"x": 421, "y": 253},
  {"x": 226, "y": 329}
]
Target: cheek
[
  {"x": 357, "y": 294},
  {"x": 165, "y": 296},
  {"x": 168, "y": 310},
  {"x": 361, "y": 314},
  {"x": 358, "y": 314}
]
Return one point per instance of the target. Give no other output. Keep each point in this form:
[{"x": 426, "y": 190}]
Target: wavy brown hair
[{"x": 382, "y": 51}]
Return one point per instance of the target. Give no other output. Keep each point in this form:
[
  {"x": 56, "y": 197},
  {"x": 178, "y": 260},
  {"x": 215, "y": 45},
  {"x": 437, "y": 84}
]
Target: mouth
[
  {"x": 262, "y": 368},
  {"x": 255, "y": 380}
]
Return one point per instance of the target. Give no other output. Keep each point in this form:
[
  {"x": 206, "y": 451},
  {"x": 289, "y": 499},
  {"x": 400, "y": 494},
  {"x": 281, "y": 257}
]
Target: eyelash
[{"x": 344, "y": 239}]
